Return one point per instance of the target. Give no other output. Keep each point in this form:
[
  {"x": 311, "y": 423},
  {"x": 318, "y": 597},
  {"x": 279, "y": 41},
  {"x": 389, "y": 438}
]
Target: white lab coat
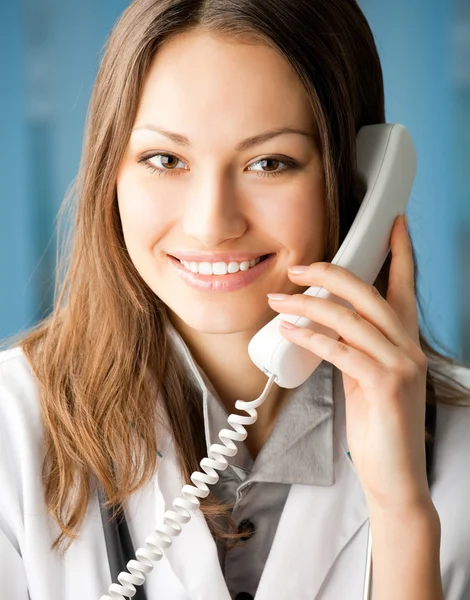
[{"x": 319, "y": 550}]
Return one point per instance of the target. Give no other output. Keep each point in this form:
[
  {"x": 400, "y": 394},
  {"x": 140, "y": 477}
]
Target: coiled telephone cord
[{"x": 188, "y": 502}]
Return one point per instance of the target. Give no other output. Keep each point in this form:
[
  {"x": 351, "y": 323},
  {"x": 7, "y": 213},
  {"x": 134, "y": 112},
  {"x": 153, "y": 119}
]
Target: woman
[{"x": 115, "y": 398}]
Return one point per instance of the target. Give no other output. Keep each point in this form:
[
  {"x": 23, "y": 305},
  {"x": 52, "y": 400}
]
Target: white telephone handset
[
  {"x": 387, "y": 162},
  {"x": 386, "y": 159}
]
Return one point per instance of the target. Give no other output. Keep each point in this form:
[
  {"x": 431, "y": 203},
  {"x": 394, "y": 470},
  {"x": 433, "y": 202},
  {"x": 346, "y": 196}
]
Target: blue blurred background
[{"x": 50, "y": 52}]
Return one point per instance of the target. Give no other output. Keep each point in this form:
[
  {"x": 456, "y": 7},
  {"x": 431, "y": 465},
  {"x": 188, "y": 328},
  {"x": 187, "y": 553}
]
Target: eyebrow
[{"x": 178, "y": 138}]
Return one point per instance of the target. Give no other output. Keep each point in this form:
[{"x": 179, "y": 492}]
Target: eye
[
  {"x": 172, "y": 163},
  {"x": 288, "y": 165}
]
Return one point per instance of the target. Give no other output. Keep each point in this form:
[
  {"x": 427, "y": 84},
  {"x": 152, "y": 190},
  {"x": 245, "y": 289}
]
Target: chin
[{"x": 215, "y": 321}]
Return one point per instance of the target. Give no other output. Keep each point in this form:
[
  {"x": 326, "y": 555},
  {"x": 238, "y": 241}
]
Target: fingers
[
  {"x": 365, "y": 298},
  {"x": 354, "y": 363},
  {"x": 356, "y": 331}
]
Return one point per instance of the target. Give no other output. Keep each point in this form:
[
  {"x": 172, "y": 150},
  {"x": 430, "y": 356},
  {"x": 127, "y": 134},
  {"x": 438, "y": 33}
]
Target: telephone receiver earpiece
[{"x": 386, "y": 160}]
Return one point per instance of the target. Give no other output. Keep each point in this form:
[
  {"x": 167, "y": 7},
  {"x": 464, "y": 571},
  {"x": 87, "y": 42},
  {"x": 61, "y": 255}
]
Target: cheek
[
  {"x": 297, "y": 221},
  {"x": 143, "y": 214}
]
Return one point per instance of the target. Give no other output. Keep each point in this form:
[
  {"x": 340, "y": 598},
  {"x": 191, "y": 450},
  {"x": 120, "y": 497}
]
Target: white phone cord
[{"x": 188, "y": 501}]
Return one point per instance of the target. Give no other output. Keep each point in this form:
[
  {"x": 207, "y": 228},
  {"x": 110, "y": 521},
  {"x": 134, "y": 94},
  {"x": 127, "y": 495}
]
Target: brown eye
[
  {"x": 167, "y": 160},
  {"x": 272, "y": 165},
  {"x": 269, "y": 162}
]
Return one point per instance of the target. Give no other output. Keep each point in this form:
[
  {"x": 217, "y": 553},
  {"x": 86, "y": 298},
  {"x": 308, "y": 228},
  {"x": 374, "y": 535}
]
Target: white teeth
[
  {"x": 205, "y": 268},
  {"x": 220, "y": 268},
  {"x": 233, "y": 267}
]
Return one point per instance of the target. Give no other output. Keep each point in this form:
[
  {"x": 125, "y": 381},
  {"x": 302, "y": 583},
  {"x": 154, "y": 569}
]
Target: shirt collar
[{"x": 300, "y": 446}]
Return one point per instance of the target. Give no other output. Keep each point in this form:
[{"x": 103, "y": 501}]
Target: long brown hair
[{"x": 102, "y": 355}]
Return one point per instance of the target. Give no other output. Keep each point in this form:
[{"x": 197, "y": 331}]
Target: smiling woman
[
  {"x": 220, "y": 152},
  {"x": 236, "y": 198}
]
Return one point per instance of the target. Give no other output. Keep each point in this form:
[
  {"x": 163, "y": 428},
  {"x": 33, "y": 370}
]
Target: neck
[{"x": 235, "y": 377}]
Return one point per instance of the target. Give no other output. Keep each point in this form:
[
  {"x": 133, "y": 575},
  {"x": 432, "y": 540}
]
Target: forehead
[{"x": 200, "y": 83}]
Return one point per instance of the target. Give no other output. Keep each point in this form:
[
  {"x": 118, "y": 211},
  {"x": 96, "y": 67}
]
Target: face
[{"x": 237, "y": 211}]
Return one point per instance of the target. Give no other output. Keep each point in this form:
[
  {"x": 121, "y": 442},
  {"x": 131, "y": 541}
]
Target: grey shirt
[{"x": 299, "y": 450}]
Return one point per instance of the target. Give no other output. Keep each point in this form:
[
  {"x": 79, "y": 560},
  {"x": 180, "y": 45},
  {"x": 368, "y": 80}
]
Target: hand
[{"x": 383, "y": 370}]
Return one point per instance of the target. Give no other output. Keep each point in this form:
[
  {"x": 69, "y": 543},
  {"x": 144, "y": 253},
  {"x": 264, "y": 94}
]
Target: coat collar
[{"x": 316, "y": 524}]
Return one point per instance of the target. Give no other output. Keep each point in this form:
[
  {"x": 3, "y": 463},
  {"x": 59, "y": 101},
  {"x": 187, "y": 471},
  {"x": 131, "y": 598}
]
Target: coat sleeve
[
  {"x": 12, "y": 574},
  {"x": 451, "y": 491},
  {"x": 13, "y": 582}
]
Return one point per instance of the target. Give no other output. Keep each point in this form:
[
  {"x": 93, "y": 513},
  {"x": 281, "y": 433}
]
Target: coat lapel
[{"x": 316, "y": 524}]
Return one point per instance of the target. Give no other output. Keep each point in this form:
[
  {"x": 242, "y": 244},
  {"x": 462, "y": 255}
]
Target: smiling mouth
[
  {"x": 261, "y": 257},
  {"x": 221, "y": 267}
]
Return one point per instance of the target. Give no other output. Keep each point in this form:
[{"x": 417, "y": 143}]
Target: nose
[{"x": 213, "y": 212}]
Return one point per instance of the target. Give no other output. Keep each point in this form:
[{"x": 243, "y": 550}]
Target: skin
[{"x": 214, "y": 203}]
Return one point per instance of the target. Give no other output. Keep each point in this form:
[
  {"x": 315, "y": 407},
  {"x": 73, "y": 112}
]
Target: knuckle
[
  {"x": 352, "y": 315},
  {"x": 398, "y": 376},
  {"x": 323, "y": 266},
  {"x": 411, "y": 369},
  {"x": 304, "y": 300},
  {"x": 372, "y": 291},
  {"x": 421, "y": 360},
  {"x": 405, "y": 371},
  {"x": 339, "y": 350}
]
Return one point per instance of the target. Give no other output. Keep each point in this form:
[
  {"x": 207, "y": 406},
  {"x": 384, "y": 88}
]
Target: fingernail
[
  {"x": 288, "y": 325},
  {"x": 278, "y": 296},
  {"x": 297, "y": 269},
  {"x": 405, "y": 220}
]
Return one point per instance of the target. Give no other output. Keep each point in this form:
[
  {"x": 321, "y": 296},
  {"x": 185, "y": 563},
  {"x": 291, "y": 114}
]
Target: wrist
[
  {"x": 416, "y": 506},
  {"x": 406, "y": 552},
  {"x": 422, "y": 517}
]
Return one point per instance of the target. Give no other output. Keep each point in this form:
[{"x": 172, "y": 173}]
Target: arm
[{"x": 405, "y": 554}]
